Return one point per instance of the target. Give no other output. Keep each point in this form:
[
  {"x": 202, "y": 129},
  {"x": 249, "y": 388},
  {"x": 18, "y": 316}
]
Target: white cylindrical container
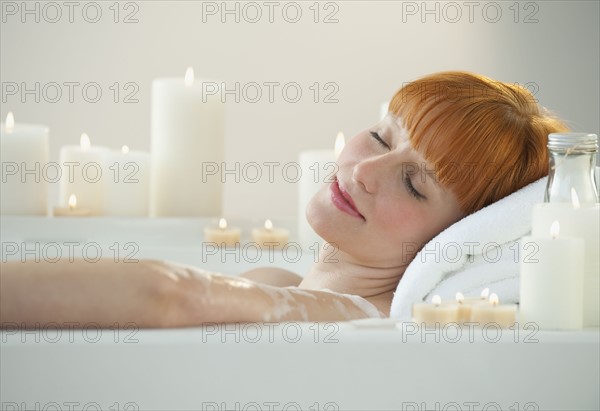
[{"x": 188, "y": 144}]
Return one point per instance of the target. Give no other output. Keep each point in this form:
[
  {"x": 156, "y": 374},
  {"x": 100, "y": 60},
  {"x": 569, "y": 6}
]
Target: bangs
[{"x": 474, "y": 133}]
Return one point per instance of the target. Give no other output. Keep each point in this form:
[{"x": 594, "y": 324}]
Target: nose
[{"x": 366, "y": 173}]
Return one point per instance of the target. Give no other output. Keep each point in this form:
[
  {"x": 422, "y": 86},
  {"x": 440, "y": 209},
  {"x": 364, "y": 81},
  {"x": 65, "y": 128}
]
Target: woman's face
[{"x": 384, "y": 203}]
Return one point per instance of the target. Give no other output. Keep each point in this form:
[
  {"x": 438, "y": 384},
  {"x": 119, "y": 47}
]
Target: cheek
[
  {"x": 415, "y": 224},
  {"x": 402, "y": 222}
]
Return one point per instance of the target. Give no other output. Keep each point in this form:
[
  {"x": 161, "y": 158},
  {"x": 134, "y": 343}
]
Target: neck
[{"x": 339, "y": 272}]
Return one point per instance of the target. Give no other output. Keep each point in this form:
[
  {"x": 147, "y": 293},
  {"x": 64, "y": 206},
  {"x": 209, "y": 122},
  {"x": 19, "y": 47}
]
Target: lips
[{"x": 342, "y": 200}]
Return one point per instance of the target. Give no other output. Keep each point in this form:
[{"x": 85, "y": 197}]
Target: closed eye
[
  {"x": 411, "y": 188},
  {"x": 377, "y": 137}
]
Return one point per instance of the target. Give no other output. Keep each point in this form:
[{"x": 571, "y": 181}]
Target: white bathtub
[
  {"x": 350, "y": 365},
  {"x": 299, "y": 366}
]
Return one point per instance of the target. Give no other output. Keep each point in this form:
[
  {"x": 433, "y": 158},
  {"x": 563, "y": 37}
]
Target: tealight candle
[
  {"x": 465, "y": 303},
  {"x": 552, "y": 281},
  {"x": 269, "y": 236},
  {"x": 222, "y": 235},
  {"x": 435, "y": 313},
  {"x": 71, "y": 210},
  {"x": 504, "y": 315}
]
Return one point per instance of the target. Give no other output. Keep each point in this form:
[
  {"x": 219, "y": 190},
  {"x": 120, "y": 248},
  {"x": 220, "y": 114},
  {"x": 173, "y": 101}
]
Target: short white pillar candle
[
  {"x": 552, "y": 281},
  {"x": 84, "y": 174},
  {"x": 24, "y": 157},
  {"x": 579, "y": 221}
]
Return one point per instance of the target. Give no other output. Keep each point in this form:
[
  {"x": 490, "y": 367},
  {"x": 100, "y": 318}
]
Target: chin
[
  {"x": 328, "y": 223},
  {"x": 324, "y": 220}
]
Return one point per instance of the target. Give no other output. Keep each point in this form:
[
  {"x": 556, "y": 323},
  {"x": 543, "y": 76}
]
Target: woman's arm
[
  {"x": 156, "y": 294},
  {"x": 106, "y": 293},
  {"x": 273, "y": 276}
]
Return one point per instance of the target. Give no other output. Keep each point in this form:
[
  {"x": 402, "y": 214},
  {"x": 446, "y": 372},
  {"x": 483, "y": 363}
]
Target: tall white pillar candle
[
  {"x": 188, "y": 144},
  {"x": 83, "y": 174},
  {"x": 383, "y": 110},
  {"x": 552, "y": 281},
  {"x": 127, "y": 183},
  {"x": 318, "y": 167},
  {"x": 24, "y": 157},
  {"x": 581, "y": 222}
]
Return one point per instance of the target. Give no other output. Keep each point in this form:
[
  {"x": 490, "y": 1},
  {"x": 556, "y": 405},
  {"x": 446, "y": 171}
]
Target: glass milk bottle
[{"x": 572, "y": 159}]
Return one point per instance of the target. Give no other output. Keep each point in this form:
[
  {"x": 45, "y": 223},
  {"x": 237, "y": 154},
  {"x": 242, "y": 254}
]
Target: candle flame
[
  {"x": 268, "y": 225},
  {"x": 554, "y": 229},
  {"x": 494, "y": 300},
  {"x": 575, "y": 198},
  {"x": 222, "y": 224},
  {"x": 460, "y": 298},
  {"x": 189, "y": 77},
  {"x": 84, "y": 141},
  {"x": 340, "y": 143},
  {"x": 124, "y": 149},
  {"x": 485, "y": 293},
  {"x": 436, "y": 300},
  {"x": 72, "y": 201},
  {"x": 10, "y": 122}
]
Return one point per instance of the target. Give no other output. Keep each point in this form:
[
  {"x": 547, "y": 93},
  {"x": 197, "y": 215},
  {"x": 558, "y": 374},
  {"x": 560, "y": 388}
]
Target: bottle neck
[{"x": 571, "y": 170}]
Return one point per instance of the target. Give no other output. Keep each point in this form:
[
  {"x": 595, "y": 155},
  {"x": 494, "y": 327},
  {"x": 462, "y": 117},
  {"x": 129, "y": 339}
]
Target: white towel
[{"x": 479, "y": 251}]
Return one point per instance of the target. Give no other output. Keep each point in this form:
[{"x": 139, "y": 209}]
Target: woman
[{"x": 453, "y": 143}]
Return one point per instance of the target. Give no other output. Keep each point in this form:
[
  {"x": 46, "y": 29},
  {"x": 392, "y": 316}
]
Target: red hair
[{"x": 484, "y": 138}]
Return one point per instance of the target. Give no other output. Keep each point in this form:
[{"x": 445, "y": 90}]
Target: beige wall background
[{"x": 363, "y": 54}]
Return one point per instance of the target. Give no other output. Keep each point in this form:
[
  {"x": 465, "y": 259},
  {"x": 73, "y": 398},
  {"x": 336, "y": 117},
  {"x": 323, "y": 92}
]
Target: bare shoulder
[{"x": 277, "y": 277}]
